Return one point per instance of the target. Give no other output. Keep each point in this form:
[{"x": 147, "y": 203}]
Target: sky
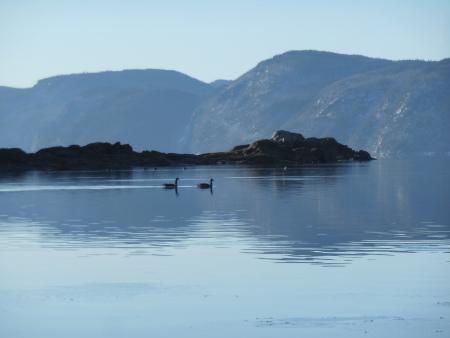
[{"x": 208, "y": 40}]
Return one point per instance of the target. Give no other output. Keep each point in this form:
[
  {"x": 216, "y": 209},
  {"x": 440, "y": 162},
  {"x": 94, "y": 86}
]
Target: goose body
[
  {"x": 206, "y": 185},
  {"x": 171, "y": 185}
]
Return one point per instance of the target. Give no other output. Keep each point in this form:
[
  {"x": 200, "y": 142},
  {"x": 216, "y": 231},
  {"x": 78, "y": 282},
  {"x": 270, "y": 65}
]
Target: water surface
[{"x": 336, "y": 250}]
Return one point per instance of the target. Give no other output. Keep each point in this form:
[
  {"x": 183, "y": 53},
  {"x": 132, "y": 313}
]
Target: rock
[
  {"x": 14, "y": 156},
  {"x": 243, "y": 146},
  {"x": 362, "y": 155},
  {"x": 286, "y": 137},
  {"x": 283, "y": 148}
]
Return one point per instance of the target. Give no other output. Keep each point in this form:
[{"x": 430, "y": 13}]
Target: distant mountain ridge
[
  {"x": 146, "y": 108},
  {"x": 390, "y": 108}
]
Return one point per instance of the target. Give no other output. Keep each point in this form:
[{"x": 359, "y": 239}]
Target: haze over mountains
[
  {"x": 390, "y": 108},
  {"x": 146, "y": 108}
]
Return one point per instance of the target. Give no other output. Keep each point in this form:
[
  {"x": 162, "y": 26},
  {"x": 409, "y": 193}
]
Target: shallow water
[{"x": 339, "y": 250}]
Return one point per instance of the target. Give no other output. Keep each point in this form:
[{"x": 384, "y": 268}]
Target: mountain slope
[
  {"x": 147, "y": 108},
  {"x": 389, "y": 108}
]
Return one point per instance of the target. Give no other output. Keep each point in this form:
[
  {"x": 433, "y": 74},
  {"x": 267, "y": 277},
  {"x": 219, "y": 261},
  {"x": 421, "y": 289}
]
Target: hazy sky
[{"x": 207, "y": 39}]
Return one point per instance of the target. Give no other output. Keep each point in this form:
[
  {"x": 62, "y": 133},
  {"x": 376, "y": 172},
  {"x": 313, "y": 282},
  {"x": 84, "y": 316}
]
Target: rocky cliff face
[{"x": 391, "y": 108}]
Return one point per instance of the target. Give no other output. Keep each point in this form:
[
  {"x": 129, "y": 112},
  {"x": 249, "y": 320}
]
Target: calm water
[{"x": 332, "y": 251}]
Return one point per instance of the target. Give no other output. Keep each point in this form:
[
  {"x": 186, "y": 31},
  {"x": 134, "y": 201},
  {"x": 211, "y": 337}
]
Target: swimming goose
[
  {"x": 171, "y": 185},
  {"x": 206, "y": 185}
]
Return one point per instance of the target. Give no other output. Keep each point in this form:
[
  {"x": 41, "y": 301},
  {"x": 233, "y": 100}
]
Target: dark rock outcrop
[
  {"x": 289, "y": 148},
  {"x": 288, "y": 138},
  {"x": 282, "y": 149}
]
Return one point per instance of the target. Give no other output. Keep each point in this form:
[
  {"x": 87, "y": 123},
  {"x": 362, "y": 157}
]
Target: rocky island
[{"x": 283, "y": 148}]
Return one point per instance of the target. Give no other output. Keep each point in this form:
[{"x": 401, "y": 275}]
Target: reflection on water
[
  {"x": 310, "y": 214},
  {"x": 368, "y": 244}
]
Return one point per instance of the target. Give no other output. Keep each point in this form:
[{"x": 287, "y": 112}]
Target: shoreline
[{"x": 283, "y": 149}]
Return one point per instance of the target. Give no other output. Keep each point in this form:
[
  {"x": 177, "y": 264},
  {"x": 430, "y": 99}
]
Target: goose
[
  {"x": 171, "y": 185},
  {"x": 206, "y": 185}
]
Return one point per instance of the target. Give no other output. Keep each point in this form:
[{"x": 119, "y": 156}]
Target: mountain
[
  {"x": 220, "y": 83},
  {"x": 146, "y": 108},
  {"x": 390, "y": 108}
]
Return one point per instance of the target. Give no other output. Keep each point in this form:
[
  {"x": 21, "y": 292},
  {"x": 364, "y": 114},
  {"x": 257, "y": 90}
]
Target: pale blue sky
[{"x": 207, "y": 39}]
